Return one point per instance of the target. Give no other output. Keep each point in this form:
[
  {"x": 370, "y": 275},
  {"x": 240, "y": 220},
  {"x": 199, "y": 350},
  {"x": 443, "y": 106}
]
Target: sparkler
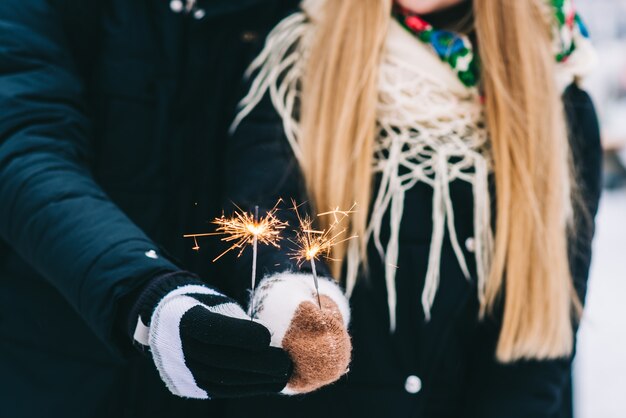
[
  {"x": 313, "y": 244},
  {"x": 244, "y": 229}
]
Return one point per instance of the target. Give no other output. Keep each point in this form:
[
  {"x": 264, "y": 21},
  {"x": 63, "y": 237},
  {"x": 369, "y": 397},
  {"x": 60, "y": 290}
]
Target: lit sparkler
[
  {"x": 313, "y": 244},
  {"x": 244, "y": 229}
]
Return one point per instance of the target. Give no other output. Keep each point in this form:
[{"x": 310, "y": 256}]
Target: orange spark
[
  {"x": 313, "y": 244},
  {"x": 243, "y": 228}
]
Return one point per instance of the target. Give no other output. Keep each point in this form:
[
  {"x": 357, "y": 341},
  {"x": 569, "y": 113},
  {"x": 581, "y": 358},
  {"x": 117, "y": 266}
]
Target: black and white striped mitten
[{"x": 203, "y": 343}]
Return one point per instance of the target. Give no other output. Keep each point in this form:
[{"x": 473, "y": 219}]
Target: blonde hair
[{"x": 525, "y": 118}]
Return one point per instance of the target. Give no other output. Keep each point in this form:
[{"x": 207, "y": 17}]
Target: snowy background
[{"x": 600, "y": 367}]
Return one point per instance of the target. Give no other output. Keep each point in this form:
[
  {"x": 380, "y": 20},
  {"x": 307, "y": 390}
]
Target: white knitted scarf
[{"x": 432, "y": 130}]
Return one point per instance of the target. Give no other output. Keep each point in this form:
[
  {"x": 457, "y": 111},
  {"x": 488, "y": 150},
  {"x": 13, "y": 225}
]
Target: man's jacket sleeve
[{"x": 52, "y": 212}]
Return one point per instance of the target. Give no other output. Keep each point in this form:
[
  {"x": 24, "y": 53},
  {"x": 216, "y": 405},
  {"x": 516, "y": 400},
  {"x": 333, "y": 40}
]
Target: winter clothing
[
  {"x": 203, "y": 344},
  {"x": 315, "y": 336},
  {"x": 443, "y": 367},
  {"x": 432, "y": 130},
  {"x": 569, "y": 33},
  {"x": 453, "y": 48},
  {"x": 113, "y": 115}
]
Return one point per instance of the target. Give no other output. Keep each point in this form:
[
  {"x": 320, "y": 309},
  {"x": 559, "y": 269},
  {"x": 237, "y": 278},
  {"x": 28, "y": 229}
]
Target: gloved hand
[
  {"x": 203, "y": 344},
  {"x": 316, "y": 339}
]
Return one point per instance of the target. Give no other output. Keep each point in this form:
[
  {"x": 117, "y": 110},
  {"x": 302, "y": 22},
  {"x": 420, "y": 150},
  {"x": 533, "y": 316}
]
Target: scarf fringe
[
  {"x": 431, "y": 144},
  {"x": 279, "y": 69}
]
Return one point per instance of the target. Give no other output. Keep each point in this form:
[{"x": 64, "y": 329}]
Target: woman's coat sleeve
[{"x": 542, "y": 389}]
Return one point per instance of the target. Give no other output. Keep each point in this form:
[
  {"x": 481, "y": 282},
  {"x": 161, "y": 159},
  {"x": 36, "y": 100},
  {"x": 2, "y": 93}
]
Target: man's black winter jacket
[{"x": 112, "y": 116}]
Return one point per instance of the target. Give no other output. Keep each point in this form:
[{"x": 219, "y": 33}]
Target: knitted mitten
[
  {"x": 203, "y": 344},
  {"x": 316, "y": 339}
]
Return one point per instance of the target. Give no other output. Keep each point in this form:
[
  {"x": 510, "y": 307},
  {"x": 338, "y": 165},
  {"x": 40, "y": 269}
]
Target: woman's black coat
[
  {"x": 442, "y": 368},
  {"x": 112, "y": 116}
]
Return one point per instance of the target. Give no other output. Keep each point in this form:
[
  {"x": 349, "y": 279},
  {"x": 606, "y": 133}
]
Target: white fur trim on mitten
[{"x": 277, "y": 298}]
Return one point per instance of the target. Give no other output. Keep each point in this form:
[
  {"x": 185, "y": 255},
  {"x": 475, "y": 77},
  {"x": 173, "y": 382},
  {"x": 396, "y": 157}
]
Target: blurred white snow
[{"x": 600, "y": 367}]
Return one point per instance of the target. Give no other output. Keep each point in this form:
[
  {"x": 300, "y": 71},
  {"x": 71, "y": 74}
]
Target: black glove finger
[
  {"x": 217, "y": 391},
  {"x": 229, "y": 377},
  {"x": 219, "y": 329},
  {"x": 272, "y": 361}
]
